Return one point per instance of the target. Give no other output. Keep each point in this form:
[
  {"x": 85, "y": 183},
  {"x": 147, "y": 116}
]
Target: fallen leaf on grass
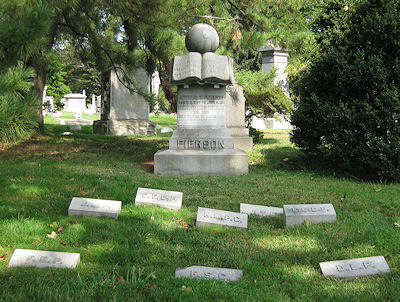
[
  {"x": 3, "y": 257},
  {"x": 186, "y": 289},
  {"x": 120, "y": 279},
  {"x": 53, "y": 235},
  {"x": 152, "y": 217},
  {"x": 83, "y": 192},
  {"x": 185, "y": 225},
  {"x": 152, "y": 285},
  {"x": 53, "y": 225},
  {"x": 59, "y": 229}
]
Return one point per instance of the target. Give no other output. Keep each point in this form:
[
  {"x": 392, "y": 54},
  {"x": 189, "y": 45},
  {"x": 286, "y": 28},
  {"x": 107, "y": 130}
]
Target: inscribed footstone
[
  {"x": 94, "y": 207},
  {"x": 263, "y": 211},
  {"x": 209, "y": 273},
  {"x": 161, "y": 198},
  {"x": 315, "y": 213},
  {"x": 42, "y": 259},
  {"x": 355, "y": 267},
  {"x": 207, "y": 217}
]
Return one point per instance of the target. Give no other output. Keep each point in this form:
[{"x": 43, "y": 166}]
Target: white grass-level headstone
[
  {"x": 209, "y": 273},
  {"x": 94, "y": 207},
  {"x": 355, "y": 267},
  {"x": 315, "y": 213},
  {"x": 207, "y": 217},
  {"x": 263, "y": 211},
  {"x": 43, "y": 259},
  {"x": 160, "y": 198}
]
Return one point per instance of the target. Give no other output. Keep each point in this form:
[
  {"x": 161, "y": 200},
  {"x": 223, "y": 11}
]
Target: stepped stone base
[
  {"x": 205, "y": 162},
  {"x": 243, "y": 142},
  {"x": 241, "y": 138},
  {"x": 124, "y": 127}
]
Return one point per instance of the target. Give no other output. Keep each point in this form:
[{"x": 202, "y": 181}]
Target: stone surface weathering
[
  {"x": 207, "y": 217},
  {"x": 263, "y": 211},
  {"x": 315, "y": 213},
  {"x": 43, "y": 259},
  {"x": 201, "y": 144},
  {"x": 355, "y": 267},
  {"x": 209, "y": 273},
  {"x": 94, "y": 207},
  {"x": 161, "y": 198}
]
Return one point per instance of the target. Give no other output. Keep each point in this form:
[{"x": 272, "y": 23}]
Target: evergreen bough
[
  {"x": 18, "y": 106},
  {"x": 349, "y": 107}
]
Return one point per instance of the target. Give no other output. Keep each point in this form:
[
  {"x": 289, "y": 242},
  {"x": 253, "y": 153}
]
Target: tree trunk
[
  {"x": 171, "y": 96},
  {"x": 105, "y": 95},
  {"x": 39, "y": 64}
]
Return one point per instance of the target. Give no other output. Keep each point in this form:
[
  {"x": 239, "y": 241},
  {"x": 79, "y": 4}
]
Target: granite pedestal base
[
  {"x": 225, "y": 162},
  {"x": 124, "y": 127},
  {"x": 241, "y": 138}
]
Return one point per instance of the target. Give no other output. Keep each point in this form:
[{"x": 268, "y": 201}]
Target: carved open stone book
[{"x": 195, "y": 67}]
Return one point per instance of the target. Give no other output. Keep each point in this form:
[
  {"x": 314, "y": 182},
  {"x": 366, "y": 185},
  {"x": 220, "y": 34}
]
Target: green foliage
[
  {"x": 262, "y": 97},
  {"x": 55, "y": 82},
  {"x": 134, "y": 257},
  {"x": 18, "y": 110},
  {"x": 256, "y": 134},
  {"x": 349, "y": 108}
]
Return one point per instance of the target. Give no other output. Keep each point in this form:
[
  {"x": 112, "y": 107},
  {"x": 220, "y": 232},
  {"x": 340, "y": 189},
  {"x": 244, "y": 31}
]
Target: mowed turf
[{"x": 134, "y": 258}]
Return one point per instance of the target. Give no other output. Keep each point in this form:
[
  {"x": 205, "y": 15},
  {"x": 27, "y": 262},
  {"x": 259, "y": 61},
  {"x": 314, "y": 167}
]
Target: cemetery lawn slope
[{"x": 134, "y": 257}]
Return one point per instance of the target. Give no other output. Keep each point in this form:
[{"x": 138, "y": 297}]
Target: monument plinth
[{"x": 201, "y": 143}]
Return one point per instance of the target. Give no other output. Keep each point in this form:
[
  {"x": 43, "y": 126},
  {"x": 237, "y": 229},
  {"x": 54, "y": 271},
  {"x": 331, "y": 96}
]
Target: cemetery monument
[
  {"x": 201, "y": 143},
  {"x": 127, "y": 113}
]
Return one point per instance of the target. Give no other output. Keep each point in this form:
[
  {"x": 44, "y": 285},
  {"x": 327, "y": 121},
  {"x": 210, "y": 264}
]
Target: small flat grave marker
[
  {"x": 316, "y": 213},
  {"x": 206, "y": 217},
  {"x": 209, "y": 273},
  {"x": 161, "y": 198},
  {"x": 43, "y": 259},
  {"x": 263, "y": 211},
  {"x": 355, "y": 267},
  {"x": 94, "y": 207}
]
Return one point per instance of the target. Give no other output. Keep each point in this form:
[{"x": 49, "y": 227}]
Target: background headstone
[
  {"x": 274, "y": 57},
  {"x": 209, "y": 273},
  {"x": 43, "y": 259},
  {"x": 94, "y": 207},
  {"x": 296, "y": 214},
  {"x": 355, "y": 267},
  {"x": 127, "y": 113},
  {"x": 161, "y": 198},
  {"x": 207, "y": 217}
]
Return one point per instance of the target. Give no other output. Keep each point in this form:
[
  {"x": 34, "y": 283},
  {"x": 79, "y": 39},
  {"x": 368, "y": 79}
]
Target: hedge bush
[{"x": 349, "y": 98}]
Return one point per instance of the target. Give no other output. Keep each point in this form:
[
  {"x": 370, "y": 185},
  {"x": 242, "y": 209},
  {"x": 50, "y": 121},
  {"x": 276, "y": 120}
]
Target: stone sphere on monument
[{"x": 202, "y": 38}]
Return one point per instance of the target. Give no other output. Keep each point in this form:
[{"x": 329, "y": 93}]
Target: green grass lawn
[
  {"x": 164, "y": 120},
  {"x": 71, "y": 115},
  {"x": 134, "y": 258}
]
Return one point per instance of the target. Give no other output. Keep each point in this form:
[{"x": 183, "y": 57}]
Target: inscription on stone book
[
  {"x": 355, "y": 267},
  {"x": 42, "y": 259},
  {"x": 315, "y": 213},
  {"x": 209, "y": 273},
  {"x": 206, "y": 217},
  {"x": 161, "y": 198},
  {"x": 263, "y": 211},
  {"x": 94, "y": 207}
]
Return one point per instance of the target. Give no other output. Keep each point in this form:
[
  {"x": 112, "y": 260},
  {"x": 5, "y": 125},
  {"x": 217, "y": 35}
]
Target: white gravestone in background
[
  {"x": 161, "y": 198},
  {"x": 94, "y": 207},
  {"x": 43, "y": 259}
]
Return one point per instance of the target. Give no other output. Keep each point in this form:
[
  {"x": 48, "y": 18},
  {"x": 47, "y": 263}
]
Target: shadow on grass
[{"x": 291, "y": 159}]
